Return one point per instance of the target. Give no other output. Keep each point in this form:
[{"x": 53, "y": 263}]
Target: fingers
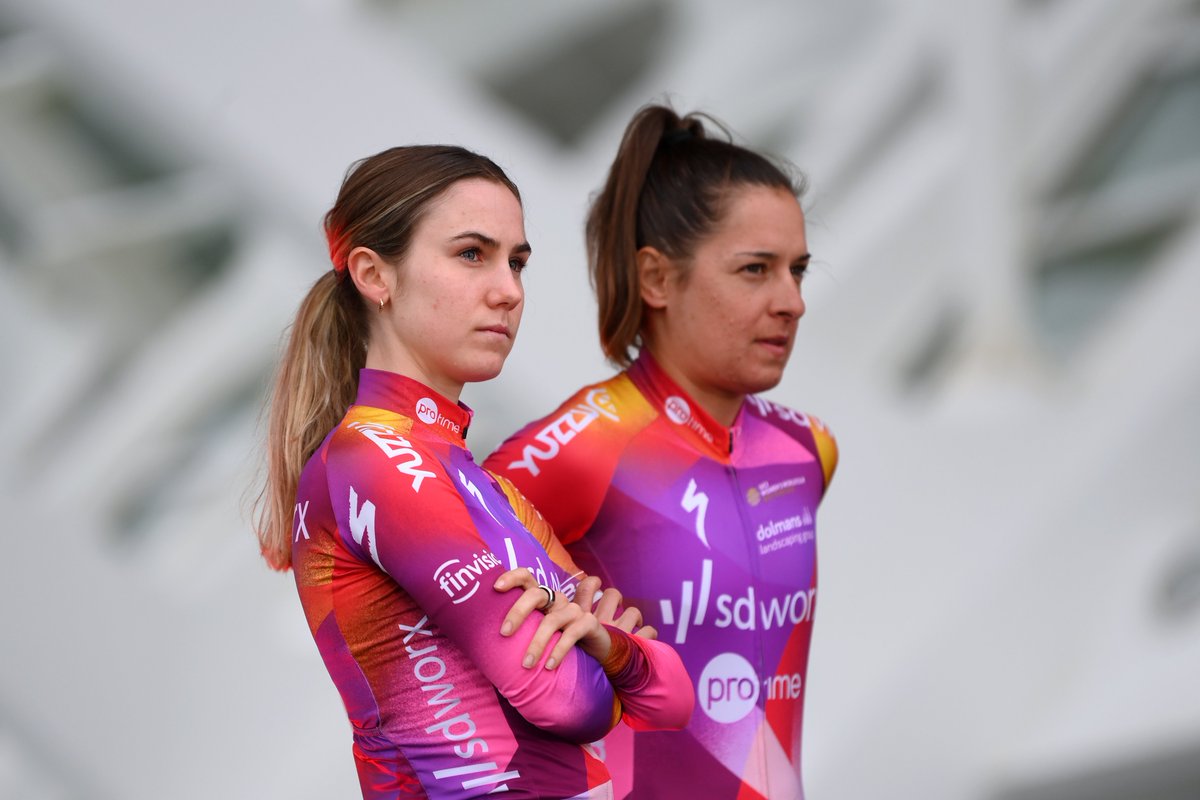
[
  {"x": 630, "y": 619},
  {"x": 587, "y": 593},
  {"x": 606, "y": 609},
  {"x": 529, "y": 601},
  {"x": 646, "y": 632},
  {"x": 564, "y": 617},
  {"x": 532, "y": 597},
  {"x": 521, "y": 576}
]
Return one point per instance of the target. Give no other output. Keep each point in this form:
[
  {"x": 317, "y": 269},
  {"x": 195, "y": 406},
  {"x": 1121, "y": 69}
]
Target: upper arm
[
  {"x": 566, "y": 483},
  {"x": 537, "y": 525}
]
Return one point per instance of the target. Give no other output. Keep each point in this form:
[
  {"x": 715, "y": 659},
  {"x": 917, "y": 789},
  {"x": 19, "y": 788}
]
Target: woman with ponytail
[
  {"x": 403, "y": 549},
  {"x": 679, "y": 484}
]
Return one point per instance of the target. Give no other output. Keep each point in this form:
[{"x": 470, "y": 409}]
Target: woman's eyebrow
[
  {"x": 488, "y": 241},
  {"x": 768, "y": 255}
]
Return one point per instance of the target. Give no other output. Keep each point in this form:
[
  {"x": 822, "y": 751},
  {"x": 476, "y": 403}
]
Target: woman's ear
[
  {"x": 654, "y": 274},
  {"x": 373, "y": 276}
]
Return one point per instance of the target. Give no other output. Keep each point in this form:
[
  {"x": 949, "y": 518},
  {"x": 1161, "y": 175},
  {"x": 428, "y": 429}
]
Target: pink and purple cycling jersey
[
  {"x": 398, "y": 537},
  {"x": 710, "y": 531}
]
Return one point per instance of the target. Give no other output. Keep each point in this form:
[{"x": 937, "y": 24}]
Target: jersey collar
[
  {"x": 689, "y": 418},
  {"x": 430, "y": 412}
]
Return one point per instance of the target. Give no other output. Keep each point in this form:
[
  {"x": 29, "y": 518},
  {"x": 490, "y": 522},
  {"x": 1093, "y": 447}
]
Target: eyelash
[
  {"x": 798, "y": 270},
  {"x": 515, "y": 264}
]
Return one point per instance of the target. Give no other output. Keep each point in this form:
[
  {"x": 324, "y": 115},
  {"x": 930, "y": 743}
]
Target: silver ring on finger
[{"x": 549, "y": 598}]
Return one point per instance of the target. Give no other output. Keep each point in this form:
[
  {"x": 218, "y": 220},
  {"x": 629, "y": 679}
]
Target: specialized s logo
[
  {"x": 396, "y": 447},
  {"x": 546, "y": 444},
  {"x": 460, "y": 580}
]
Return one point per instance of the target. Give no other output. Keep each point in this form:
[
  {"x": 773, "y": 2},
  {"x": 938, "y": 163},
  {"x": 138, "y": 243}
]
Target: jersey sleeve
[
  {"x": 649, "y": 677},
  {"x": 827, "y": 448},
  {"x": 405, "y": 515},
  {"x": 537, "y": 525},
  {"x": 565, "y": 462}
]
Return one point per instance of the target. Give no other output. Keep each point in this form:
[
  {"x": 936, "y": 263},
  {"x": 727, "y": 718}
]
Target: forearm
[{"x": 650, "y": 680}]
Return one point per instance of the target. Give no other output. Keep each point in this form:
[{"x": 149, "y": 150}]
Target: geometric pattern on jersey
[
  {"x": 398, "y": 537},
  {"x": 711, "y": 532}
]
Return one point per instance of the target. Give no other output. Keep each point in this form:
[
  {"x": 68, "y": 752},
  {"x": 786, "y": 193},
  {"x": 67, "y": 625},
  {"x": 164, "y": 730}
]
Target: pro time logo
[
  {"x": 728, "y": 688},
  {"x": 678, "y": 410},
  {"x": 428, "y": 412}
]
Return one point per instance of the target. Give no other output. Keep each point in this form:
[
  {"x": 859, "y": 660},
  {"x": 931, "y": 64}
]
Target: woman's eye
[
  {"x": 471, "y": 254},
  {"x": 516, "y": 265},
  {"x": 755, "y": 269},
  {"x": 799, "y": 270}
]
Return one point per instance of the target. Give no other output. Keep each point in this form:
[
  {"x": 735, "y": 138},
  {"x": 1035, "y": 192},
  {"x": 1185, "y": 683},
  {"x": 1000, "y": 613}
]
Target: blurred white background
[{"x": 1002, "y": 330}]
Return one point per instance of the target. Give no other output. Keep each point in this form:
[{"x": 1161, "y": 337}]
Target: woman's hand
[
  {"x": 606, "y": 605},
  {"x": 581, "y": 620}
]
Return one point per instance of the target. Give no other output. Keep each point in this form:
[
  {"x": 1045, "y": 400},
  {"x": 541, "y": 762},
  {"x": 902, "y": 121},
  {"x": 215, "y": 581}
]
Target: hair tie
[{"x": 674, "y": 137}]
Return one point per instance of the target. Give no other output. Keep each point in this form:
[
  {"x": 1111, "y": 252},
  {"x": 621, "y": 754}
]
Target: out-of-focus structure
[{"x": 1005, "y": 215}]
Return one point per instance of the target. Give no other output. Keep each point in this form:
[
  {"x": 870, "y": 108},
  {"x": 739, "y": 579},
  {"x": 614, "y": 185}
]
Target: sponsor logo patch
[{"x": 728, "y": 688}]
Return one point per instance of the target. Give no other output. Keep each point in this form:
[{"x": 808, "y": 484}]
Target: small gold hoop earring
[{"x": 382, "y": 303}]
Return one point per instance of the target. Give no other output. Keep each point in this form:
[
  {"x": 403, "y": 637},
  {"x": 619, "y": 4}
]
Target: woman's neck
[
  {"x": 721, "y": 405},
  {"x": 401, "y": 363}
]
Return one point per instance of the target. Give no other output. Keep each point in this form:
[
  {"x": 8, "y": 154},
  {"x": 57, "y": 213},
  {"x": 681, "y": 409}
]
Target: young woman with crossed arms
[{"x": 402, "y": 548}]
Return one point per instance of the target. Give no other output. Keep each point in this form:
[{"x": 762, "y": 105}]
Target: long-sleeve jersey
[
  {"x": 398, "y": 537},
  {"x": 710, "y": 531}
]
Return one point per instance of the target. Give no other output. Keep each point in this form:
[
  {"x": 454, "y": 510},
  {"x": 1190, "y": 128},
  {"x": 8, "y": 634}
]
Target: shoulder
[
  {"x": 564, "y": 461},
  {"x": 805, "y": 428},
  {"x": 602, "y": 415},
  {"x": 375, "y": 445}
]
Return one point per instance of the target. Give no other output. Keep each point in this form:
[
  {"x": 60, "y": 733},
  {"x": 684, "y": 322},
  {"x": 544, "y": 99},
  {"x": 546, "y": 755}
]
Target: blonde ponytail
[{"x": 316, "y": 383}]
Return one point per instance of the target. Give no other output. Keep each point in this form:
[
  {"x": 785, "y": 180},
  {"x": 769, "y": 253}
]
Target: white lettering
[
  {"x": 744, "y": 612},
  {"x": 393, "y": 446},
  {"x": 784, "y": 687},
  {"x": 362, "y": 523},
  {"x": 458, "y": 728},
  {"x": 301, "y": 528},
  {"x": 461, "y": 583},
  {"x": 560, "y": 431}
]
